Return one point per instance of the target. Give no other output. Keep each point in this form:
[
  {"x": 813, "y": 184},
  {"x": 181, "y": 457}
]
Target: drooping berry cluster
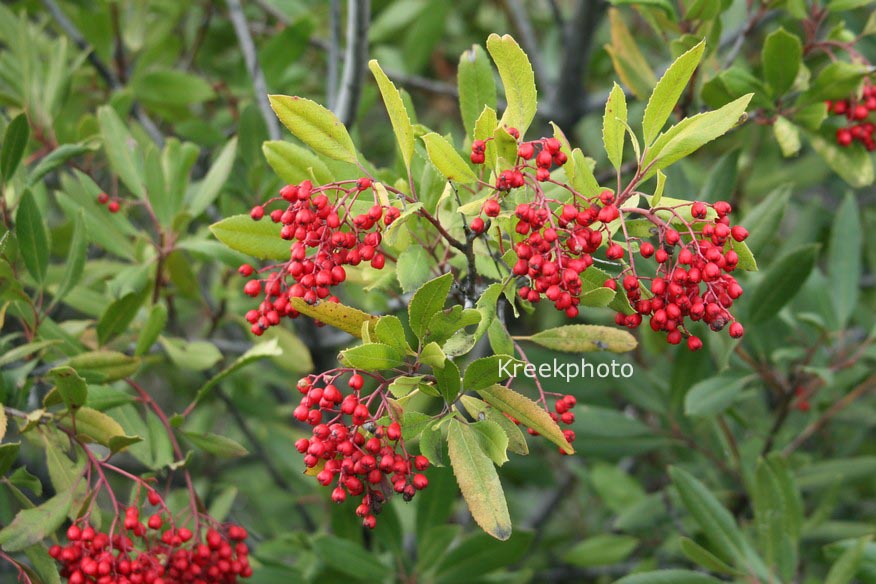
[
  {"x": 326, "y": 237},
  {"x": 693, "y": 279},
  {"x": 350, "y": 449},
  {"x": 143, "y": 553},
  {"x": 861, "y": 124}
]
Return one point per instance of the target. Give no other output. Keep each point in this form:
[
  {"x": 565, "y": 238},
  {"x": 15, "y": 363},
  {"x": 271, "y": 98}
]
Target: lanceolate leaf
[
  {"x": 844, "y": 257},
  {"x": 628, "y": 61},
  {"x": 104, "y": 366},
  {"x": 294, "y": 163},
  {"x": 33, "y": 241},
  {"x": 518, "y": 81},
  {"x": 477, "y": 87},
  {"x": 207, "y": 191},
  {"x": 335, "y": 314},
  {"x": 33, "y": 525},
  {"x": 584, "y": 338},
  {"x": 478, "y": 481},
  {"x": 670, "y": 87},
  {"x": 121, "y": 149},
  {"x": 782, "y": 54},
  {"x": 398, "y": 114},
  {"x": 527, "y": 412},
  {"x": 669, "y": 577},
  {"x": 614, "y": 125},
  {"x": 781, "y": 283},
  {"x": 447, "y": 160},
  {"x": 260, "y": 239},
  {"x": 75, "y": 258},
  {"x": 14, "y": 142},
  {"x": 316, "y": 126}
]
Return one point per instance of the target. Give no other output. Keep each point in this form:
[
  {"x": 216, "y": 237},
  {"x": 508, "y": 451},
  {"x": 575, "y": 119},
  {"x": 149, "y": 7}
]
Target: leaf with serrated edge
[
  {"x": 478, "y": 481},
  {"x": 335, "y": 314},
  {"x": 316, "y": 126},
  {"x": 613, "y": 128},
  {"x": 443, "y": 155},
  {"x": 398, "y": 114},
  {"x": 527, "y": 412},
  {"x": 583, "y": 338},
  {"x": 667, "y": 91},
  {"x": 260, "y": 239},
  {"x": 518, "y": 81}
]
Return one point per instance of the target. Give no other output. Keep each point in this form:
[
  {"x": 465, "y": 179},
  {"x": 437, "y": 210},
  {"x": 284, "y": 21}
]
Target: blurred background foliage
[{"x": 181, "y": 80}]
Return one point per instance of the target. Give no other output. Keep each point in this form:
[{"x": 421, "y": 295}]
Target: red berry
[
  {"x": 113, "y": 207},
  {"x": 477, "y": 225},
  {"x": 103, "y": 198}
]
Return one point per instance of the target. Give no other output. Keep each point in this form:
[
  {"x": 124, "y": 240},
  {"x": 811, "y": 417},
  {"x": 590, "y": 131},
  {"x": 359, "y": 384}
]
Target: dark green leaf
[
  {"x": 781, "y": 282},
  {"x": 33, "y": 241},
  {"x": 14, "y": 142}
]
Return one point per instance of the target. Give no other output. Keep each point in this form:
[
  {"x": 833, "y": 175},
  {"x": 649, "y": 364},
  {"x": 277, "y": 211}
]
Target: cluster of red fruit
[
  {"x": 313, "y": 222},
  {"x": 112, "y": 206},
  {"x": 694, "y": 283},
  {"x": 357, "y": 457},
  {"x": 94, "y": 557},
  {"x": 861, "y": 127}
]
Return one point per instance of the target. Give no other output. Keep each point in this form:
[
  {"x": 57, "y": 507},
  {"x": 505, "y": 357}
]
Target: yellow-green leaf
[
  {"x": 584, "y": 338},
  {"x": 398, "y": 114},
  {"x": 447, "y": 160},
  {"x": 335, "y": 314},
  {"x": 614, "y": 125},
  {"x": 667, "y": 91},
  {"x": 518, "y": 80},
  {"x": 260, "y": 239},
  {"x": 526, "y": 412},
  {"x": 316, "y": 126}
]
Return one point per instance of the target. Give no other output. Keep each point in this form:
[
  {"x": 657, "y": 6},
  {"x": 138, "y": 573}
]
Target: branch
[
  {"x": 108, "y": 76},
  {"x": 244, "y": 39},
  {"x": 355, "y": 58}
]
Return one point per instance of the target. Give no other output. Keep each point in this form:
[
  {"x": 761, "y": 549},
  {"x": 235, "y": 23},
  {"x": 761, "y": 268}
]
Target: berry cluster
[
  {"x": 146, "y": 554},
  {"x": 337, "y": 237},
  {"x": 112, "y": 205},
  {"x": 861, "y": 124},
  {"x": 693, "y": 279},
  {"x": 357, "y": 456}
]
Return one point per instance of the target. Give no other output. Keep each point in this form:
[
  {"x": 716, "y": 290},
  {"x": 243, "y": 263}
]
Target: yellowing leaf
[
  {"x": 584, "y": 338},
  {"x": 335, "y": 314},
  {"x": 398, "y": 114},
  {"x": 518, "y": 79},
  {"x": 316, "y": 126},
  {"x": 526, "y": 412},
  {"x": 447, "y": 160}
]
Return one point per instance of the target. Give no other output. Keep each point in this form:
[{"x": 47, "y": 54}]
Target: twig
[
  {"x": 108, "y": 76},
  {"x": 867, "y": 385},
  {"x": 244, "y": 39},
  {"x": 355, "y": 58}
]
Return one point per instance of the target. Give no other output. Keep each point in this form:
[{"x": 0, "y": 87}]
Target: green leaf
[
  {"x": 121, "y": 150},
  {"x": 788, "y": 136},
  {"x": 582, "y": 178},
  {"x": 716, "y": 522},
  {"x": 75, "y": 258},
  {"x": 484, "y": 372},
  {"x": 853, "y": 163},
  {"x": 193, "y": 356},
  {"x": 668, "y": 90},
  {"x": 722, "y": 178},
  {"x": 260, "y": 239},
  {"x": 846, "y": 566},
  {"x": 478, "y": 481},
  {"x": 763, "y": 220},
  {"x": 668, "y": 577},
  {"x": 151, "y": 330},
  {"x": 33, "y": 241},
  {"x": 372, "y": 357},
  {"x": 94, "y": 426},
  {"x": 664, "y": 5},
  {"x": 216, "y": 445},
  {"x": 390, "y": 330},
  {"x": 447, "y": 160},
  {"x": 31, "y": 526},
  {"x": 427, "y": 301},
  {"x": 54, "y": 159},
  {"x": 104, "y": 366},
  {"x": 450, "y": 322},
  {"x": 206, "y": 192},
  {"x": 413, "y": 268},
  {"x": 781, "y": 56},
  {"x": 844, "y": 257},
  {"x": 448, "y": 380},
  {"x": 14, "y": 142},
  {"x": 584, "y": 338},
  {"x": 700, "y": 555},
  {"x": 171, "y": 87},
  {"x": 781, "y": 282},
  {"x": 295, "y": 164},
  {"x": 349, "y": 558},
  {"x": 481, "y": 555},
  {"x": 713, "y": 395},
  {"x": 433, "y": 445},
  {"x": 518, "y": 80},
  {"x": 8, "y": 451},
  {"x": 335, "y": 314},
  {"x": 837, "y": 80},
  {"x": 778, "y": 514},
  {"x": 842, "y": 5},
  {"x": 601, "y": 550},
  {"x": 627, "y": 58},
  {"x": 316, "y": 126},
  {"x": 527, "y": 412},
  {"x": 398, "y": 114},
  {"x": 614, "y": 126},
  {"x": 118, "y": 315},
  {"x": 687, "y": 136},
  {"x": 71, "y": 387},
  {"x": 477, "y": 87},
  {"x": 260, "y": 351},
  {"x": 494, "y": 440}
]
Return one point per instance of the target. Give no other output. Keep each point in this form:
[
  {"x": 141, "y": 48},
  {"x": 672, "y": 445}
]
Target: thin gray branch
[
  {"x": 355, "y": 59},
  {"x": 105, "y": 72},
  {"x": 244, "y": 39},
  {"x": 334, "y": 54},
  {"x": 516, "y": 12}
]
